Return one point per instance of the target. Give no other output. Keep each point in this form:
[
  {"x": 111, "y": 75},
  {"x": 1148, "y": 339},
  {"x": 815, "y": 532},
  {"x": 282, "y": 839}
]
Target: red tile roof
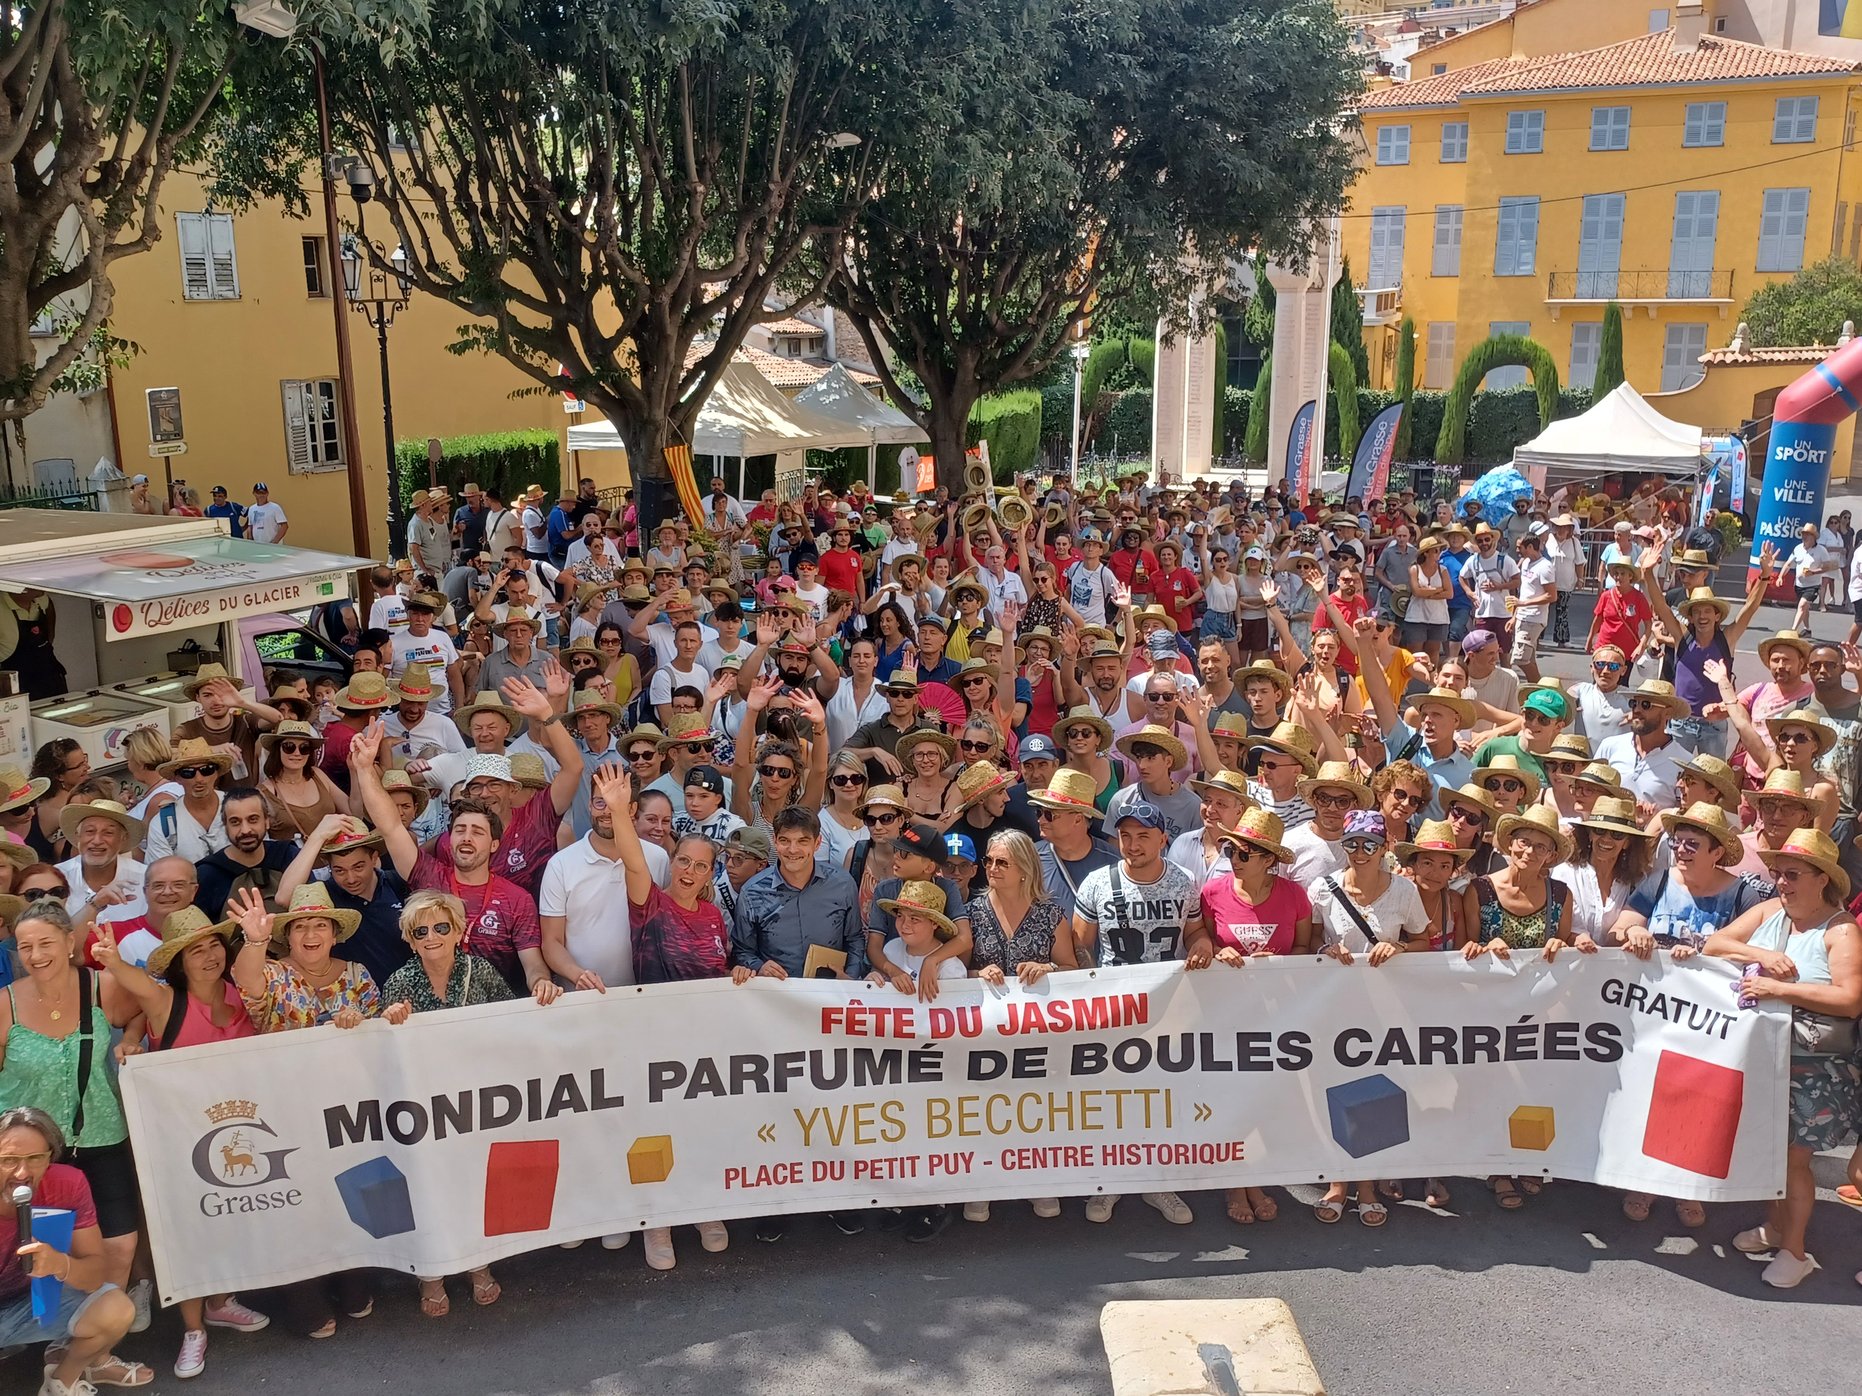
[
  {"x": 1776, "y": 354},
  {"x": 1436, "y": 90}
]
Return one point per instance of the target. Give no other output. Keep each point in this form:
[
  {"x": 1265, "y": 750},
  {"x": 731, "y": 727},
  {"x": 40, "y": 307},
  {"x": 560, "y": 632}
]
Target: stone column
[{"x": 1302, "y": 345}]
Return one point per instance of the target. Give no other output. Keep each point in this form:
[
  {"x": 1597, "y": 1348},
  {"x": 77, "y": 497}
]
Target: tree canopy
[{"x": 1809, "y": 308}]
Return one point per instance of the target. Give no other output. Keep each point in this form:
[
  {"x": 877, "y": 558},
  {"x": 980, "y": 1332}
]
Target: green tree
[
  {"x": 1609, "y": 353},
  {"x": 1809, "y": 308},
  {"x": 1062, "y": 154},
  {"x": 1254, "y": 440},
  {"x": 1341, "y": 376},
  {"x": 1348, "y": 323},
  {"x": 1497, "y": 351},
  {"x": 99, "y": 101},
  {"x": 1405, "y": 385}
]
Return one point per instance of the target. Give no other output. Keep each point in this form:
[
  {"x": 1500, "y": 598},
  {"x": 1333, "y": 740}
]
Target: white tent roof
[
  {"x": 745, "y": 416},
  {"x": 1622, "y": 432},
  {"x": 839, "y": 395}
]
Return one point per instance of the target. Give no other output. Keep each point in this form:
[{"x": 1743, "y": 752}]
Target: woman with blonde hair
[
  {"x": 930, "y": 762},
  {"x": 841, "y": 825},
  {"x": 145, "y": 752},
  {"x": 442, "y": 976}
]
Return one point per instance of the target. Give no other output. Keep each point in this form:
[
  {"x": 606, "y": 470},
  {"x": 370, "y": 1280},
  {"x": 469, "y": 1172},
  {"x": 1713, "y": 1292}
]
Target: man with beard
[
  {"x": 877, "y": 742},
  {"x": 1352, "y": 604},
  {"x": 350, "y": 855},
  {"x": 229, "y": 721},
  {"x": 583, "y": 906},
  {"x": 414, "y": 722},
  {"x": 1646, "y": 757},
  {"x": 168, "y": 885},
  {"x": 1104, "y": 690},
  {"x": 1212, "y": 666},
  {"x": 249, "y": 858}
]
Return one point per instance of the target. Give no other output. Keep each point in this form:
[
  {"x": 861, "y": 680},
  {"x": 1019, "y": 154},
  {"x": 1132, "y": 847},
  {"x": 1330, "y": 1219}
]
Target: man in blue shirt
[
  {"x": 230, "y": 510},
  {"x": 564, "y": 527},
  {"x": 1460, "y": 604}
]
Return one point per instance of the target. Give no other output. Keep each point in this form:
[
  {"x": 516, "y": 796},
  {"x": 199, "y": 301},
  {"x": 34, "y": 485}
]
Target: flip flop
[
  {"x": 1849, "y": 1196},
  {"x": 485, "y": 1290},
  {"x": 1690, "y": 1213},
  {"x": 434, "y": 1304},
  {"x": 1239, "y": 1211},
  {"x": 1266, "y": 1209},
  {"x": 1373, "y": 1213},
  {"x": 1636, "y": 1206},
  {"x": 1329, "y": 1212}
]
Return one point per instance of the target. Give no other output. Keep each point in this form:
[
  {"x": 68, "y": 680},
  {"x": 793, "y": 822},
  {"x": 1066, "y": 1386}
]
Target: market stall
[
  {"x": 839, "y": 395},
  {"x": 1621, "y": 433}
]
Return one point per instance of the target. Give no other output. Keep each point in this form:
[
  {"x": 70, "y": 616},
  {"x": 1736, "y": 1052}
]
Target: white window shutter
[
  {"x": 225, "y": 266},
  {"x": 296, "y": 426},
  {"x": 196, "y": 279}
]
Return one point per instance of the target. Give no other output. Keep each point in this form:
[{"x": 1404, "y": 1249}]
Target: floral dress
[
  {"x": 291, "y": 1001},
  {"x": 472, "y": 981},
  {"x": 1520, "y": 930},
  {"x": 1032, "y": 942}
]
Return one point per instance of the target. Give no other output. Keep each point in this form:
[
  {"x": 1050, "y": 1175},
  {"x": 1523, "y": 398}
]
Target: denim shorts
[{"x": 18, "y": 1328}]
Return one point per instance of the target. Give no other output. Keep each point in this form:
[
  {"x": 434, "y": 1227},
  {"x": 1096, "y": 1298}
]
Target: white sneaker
[
  {"x": 193, "y": 1359},
  {"x": 1786, "y": 1271},
  {"x": 976, "y": 1211},
  {"x": 569, "y": 1245},
  {"x": 1175, "y": 1211},
  {"x": 714, "y": 1236},
  {"x": 236, "y": 1316},
  {"x": 616, "y": 1242},
  {"x": 141, "y": 1294},
  {"x": 52, "y": 1386},
  {"x": 1047, "y": 1206},
  {"x": 659, "y": 1248},
  {"x": 1099, "y": 1209},
  {"x": 1756, "y": 1241}
]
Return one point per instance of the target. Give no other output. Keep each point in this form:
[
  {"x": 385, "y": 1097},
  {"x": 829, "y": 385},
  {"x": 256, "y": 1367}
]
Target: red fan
[{"x": 941, "y": 700}]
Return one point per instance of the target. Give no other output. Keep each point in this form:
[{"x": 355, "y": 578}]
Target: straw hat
[
  {"x": 20, "y": 855},
  {"x": 1036, "y": 632},
  {"x": 1600, "y": 774},
  {"x": 1261, "y": 669},
  {"x": 1506, "y": 764},
  {"x": 1662, "y": 692},
  {"x": 355, "y": 834},
  {"x": 181, "y": 930},
  {"x": 1430, "y": 544},
  {"x": 684, "y": 729},
  {"x": 1816, "y": 848},
  {"x": 1084, "y": 716},
  {"x": 1784, "y": 639},
  {"x": 523, "y": 615},
  {"x": 1337, "y": 775},
  {"x": 1262, "y": 829},
  {"x": 966, "y": 583},
  {"x": 1811, "y": 715},
  {"x": 1569, "y": 746},
  {"x": 301, "y": 731},
  {"x": 1154, "y": 612},
  {"x": 17, "y": 789},
  {"x": 1434, "y": 836},
  {"x": 1292, "y": 740},
  {"x": 1703, "y": 596},
  {"x": 194, "y": 751},
  {"x": 1625, "y": 570},
  {"x": 589, "y": 701},
  {"x": 425, "y": 601},
  {"x": 925, "y": 898},
  {"x": 1539, "y": 819},
  {"x": 1069, "y": 792},
  {"x": 1782, "y": 784},
  {"x": 1614, "y": 815},
  {"x": 1232, "y": 782},
  {"x": 883, "y": 797},
  {"x": 1469, "y": 794},
  {"x": 1450, "y": 699},
  {"x": 1691, "y": 559},
  {"x": 1710, "y": 820},
  {"x": 582, "y": 646},
  {"x": 490, "y": 701},
  {"x": 367, "y": 693},
  {"x": 975, "y": 666},
  {"x": 980, "y": 779},
  {"x": 925, "y": 736},
  {"x": 645, "y": 732},
  {"x": 312, "y": 899},
  {"x": 1154, "y": 735},
  {"x": 1230, "y": 725},
  {"x": 76, "y": 812},
  {"x": 1715, "y": 772},
  {"x": 528, "y": 770},
  {"x": 1550, "y": 683},
  {"x": 206, "y": 674}
]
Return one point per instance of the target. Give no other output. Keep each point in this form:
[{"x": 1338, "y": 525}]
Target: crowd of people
[{"x": 902, "y": 742}]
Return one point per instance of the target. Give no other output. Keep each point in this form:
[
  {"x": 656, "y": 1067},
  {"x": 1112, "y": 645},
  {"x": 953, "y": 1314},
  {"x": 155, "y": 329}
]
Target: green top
[
  {"x": 1512, "y": 746},
  {"x": 472, "y": 981},
  {"x": 43, "y": 1071}
]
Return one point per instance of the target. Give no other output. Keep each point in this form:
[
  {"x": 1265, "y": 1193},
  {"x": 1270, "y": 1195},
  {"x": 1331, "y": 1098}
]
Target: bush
[
  {"x": 1498, "y": 351},
  {"x": 1057, "y": 410},
  {"x": 1127, "y": 426},
  {"x": 1260, "y": 404},
  {"x": 1237, "y": 403},
  {"x": 507, "y": 461},
  {"x": 1143, "y": 355},
  {"x": 1011, "y": 424},
  {"x": 1106, "y": 358}
]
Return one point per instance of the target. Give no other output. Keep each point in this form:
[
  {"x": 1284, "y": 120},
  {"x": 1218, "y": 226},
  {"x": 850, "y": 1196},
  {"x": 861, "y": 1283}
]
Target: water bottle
[{"x": 1751, "y": 971}]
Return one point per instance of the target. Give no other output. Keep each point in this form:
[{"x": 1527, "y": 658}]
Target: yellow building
[{"x": 1673, "y": 172}]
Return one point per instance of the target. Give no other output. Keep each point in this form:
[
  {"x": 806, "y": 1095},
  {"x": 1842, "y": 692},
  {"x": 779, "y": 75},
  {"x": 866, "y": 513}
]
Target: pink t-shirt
[
  {"x": 1767, "y": 700},
  {"x": 528, "y": 841},
  {"x": 1254, "y": 929}
]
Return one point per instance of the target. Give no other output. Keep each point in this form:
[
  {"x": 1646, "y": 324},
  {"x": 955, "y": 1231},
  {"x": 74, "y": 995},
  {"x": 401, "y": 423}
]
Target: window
[
  {"x": 1849, "y": 131},
  {"x": 313, "y": 268},
  {"x": 209, "y": 269},
  {"x": 312, "y": 436},
  {"x": 1438, "y": 368},
  {"x": 1794, "y": 121},
  {"x": 1437, "y": 69},
  {"x": 1658, "y": 20},
  {"x": 1386, "y": 267},
  {"x": 1512, "y": 376},
  {"x": 1393, "y": 145},
  {"x": 1516, "y": 238},
  {"x": 1454, "y": 142},
  {"x": 1705, "y": 124},
  {"x": 1682, "y": 347},
  {"x": 1586, "y": 344},
  {"x": 1719, "y": 24},
  {"x": 1445, "y": 256},
  {"x": 1600, "y": 246},
  {"x": 1525, "y": 132},
  {"x": 1783, "y": 216},
  {"x": 1609, "y": 128},
  {"x": 1690, "y": 249}
]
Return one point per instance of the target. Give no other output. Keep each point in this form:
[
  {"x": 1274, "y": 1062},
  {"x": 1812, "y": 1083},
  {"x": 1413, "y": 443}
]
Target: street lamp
[
  {"x": 1081, "y": 351},
  {"x": 377, "y": 295}
]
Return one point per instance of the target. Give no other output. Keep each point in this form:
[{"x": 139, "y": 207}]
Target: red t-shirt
[
  {"x": 1253, "y": 929},
  {"x": 501, "y": 917},
  {"x": 1622, "y": 616},
  {"x": 840, "y": 571},
  {"x": 62, "y": 1187},
  {"x": 672, "y": 944},
  {"x": 1135, "y": 570},
  {"x": 1170, "y": 589},
  {"x": 1352, "y": 610},
  {"x": 528, "y": 841}
]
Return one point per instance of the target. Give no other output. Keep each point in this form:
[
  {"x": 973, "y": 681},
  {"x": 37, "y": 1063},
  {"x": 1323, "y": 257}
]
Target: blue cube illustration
[
  {"x": 1368, "y": 1115},
  {"x": 376, "y": 1198}
]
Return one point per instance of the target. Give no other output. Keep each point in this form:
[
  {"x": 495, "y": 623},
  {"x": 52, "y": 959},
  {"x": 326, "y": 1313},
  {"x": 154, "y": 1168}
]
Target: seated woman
[
  {"x": 93, "y": 1315},
  {"x": 439, "y": 976}
]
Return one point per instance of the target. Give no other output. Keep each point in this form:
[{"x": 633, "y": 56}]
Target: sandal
[
  {"x": 328, "y": 1330},
  {"x": 1373, "y": 1213},
  {"x": 1532, "y": 1187},
  {"x": 1506, "y": 1195},
  {"x": 1266, "y": 1209},
  {"x": 485, "y": 1290},
  {"x": 1690, "y": 1213},
  {"x": 1636, "y": 1205},
  {"x": 1436, "y": 1194},
  {"x": 1391, "y": 1190},
  {"x": 114, "y": 1371},
  {"x": 433, "y": 1300},
  {"x": 1849, "y": 1195},
  {"x": 1329, "y": 1211},
  {"x": 1239, "y": 1211}
]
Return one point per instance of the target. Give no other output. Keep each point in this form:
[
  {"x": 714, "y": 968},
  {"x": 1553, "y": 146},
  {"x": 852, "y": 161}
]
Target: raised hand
[
  {"x": 762, "y": 691},
  {"x": 365, "y": 746},
  {"x": 248, "y": 910},
  {"x": 556, "y": 682},
  {"x": 614, "y": 783},
  {"x": 766, "y": 631},
  {"x": 1270, "y": 594},
  {"x": 525, "y": 697},
  {"x": 105, "y": 950}
]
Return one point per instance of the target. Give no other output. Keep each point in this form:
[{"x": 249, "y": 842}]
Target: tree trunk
[
  {"x": 949, "y": 425},
  {"x": 647, "y": 438}
]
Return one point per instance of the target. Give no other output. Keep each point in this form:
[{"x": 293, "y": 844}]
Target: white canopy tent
[
  {"x": 1622, "y": 432},
  {"x": 744, "y": 416},
  {"x": 838, "y": 394}
]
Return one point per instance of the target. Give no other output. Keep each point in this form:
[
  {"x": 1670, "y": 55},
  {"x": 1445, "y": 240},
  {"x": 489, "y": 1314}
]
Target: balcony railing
[
  {"x": 1645, "y": 286},
  {"x": 1382, "y": 305}
]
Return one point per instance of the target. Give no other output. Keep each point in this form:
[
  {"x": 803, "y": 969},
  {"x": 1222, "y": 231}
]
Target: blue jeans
[
  {"x": 1459, "y": 619},
  {"x": 1699, "y": 735},
  {"x": 18, "y": 1328}
]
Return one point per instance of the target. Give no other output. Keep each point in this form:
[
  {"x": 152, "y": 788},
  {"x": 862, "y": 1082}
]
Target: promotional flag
[
  {"x": 1300, "y": 450},
  {"x": 1370, "y": 464}
]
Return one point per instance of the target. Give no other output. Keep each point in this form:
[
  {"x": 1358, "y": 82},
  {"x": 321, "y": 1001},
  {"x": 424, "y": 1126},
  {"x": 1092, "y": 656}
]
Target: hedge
[
  {"x": 1011, "y": 424},
  {"x": 1498, "y": 351},
  {"x": 1254, "y": 437},
  {"x": 507, "y": 461},
  {"x": 1142, "y": 352},
  {"x": 1107, "y": 356},
  {"x": 1127, "y": 427},
  {"x": 1405, "y": 385}
]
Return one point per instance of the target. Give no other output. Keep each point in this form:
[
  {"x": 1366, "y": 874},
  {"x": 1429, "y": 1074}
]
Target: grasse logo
[{"x": 229, "y": 1155}]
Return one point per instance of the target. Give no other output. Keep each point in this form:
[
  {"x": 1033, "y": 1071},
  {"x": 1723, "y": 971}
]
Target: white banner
[{"x": 462, "y": 1137}]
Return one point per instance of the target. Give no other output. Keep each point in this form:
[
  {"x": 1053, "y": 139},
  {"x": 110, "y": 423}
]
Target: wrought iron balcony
[{"x": 1648, "y": 286}]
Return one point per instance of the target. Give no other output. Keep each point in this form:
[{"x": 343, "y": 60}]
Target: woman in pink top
[
  {"x": 1251, "y": 910},
  {"x": 188, "y": 998},
  {"x": 1785, "y": 655}
]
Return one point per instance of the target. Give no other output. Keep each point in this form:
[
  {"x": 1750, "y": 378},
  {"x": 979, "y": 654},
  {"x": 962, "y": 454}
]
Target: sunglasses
[
  {"x": 975, "y": 679},
  {"x": 1332, "y": 799},
  {"x": 1080, "y": 734},
  {"x": 881, "y": 820},
  {"x": 296, "y": 748},
  {"x": 645, "y": 753},
  {"x": 1467, "y": 816},
  {"x": 845, "y": 779},
  {"x": 1241, "y": 853},
  {"x": 1361, "y": 845},
  {"x": 1606, "y": 666},
  {"x": 977, "y": 747},
  {"x": 1159, "y": 697},
  {"x": 190, "y": 772},
  {"x": 39, "y": 894},
  {"x": 1504, "y": 785},
  {"x": 996, "y": 862},
  {"x": 1686, "y": 843},
  {"x": 1637, "y": 705},
  {"x": 1795, "y": 737},
  {"x": 438, "y": 928}
]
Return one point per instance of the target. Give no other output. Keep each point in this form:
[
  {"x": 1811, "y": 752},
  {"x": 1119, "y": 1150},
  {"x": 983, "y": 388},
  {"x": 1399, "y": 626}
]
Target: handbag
[
  {"x": 1819, "y": 1035},
  {"x": 1351, "y": 909}
]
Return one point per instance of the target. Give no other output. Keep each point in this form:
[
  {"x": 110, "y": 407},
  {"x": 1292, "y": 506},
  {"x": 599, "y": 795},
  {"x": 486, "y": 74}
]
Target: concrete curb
[{"x": 1153, "y": 1348}]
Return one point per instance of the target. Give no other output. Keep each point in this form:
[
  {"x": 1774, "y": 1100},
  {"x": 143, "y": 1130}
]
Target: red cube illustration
[
  {"x": 1694, "y": 1116},
  {"x": 520, "y": 1186}
]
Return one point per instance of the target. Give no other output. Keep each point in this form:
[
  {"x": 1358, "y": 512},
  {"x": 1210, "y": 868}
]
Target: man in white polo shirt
[
  {"x": 265, "y": 521},
  {"x": 582, "y": 903}
]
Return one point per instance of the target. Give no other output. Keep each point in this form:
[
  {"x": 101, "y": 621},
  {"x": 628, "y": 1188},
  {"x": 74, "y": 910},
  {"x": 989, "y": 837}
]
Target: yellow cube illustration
[
  {"x": 1530, "y": 1127},
  {"x": 649, "y": 1158}
]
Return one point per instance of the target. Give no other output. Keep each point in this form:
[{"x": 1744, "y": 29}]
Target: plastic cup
[{"x": 52, "y": 1225}]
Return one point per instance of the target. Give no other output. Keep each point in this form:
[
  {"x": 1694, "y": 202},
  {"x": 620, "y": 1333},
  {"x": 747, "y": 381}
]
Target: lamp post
[
  {"x": 1080, "y": 352},
  {"x": 377, "y": 296}
]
